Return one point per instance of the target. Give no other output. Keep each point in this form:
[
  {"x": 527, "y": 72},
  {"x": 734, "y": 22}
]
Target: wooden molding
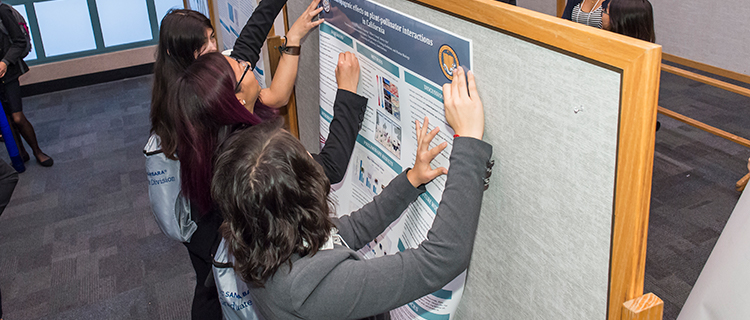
[
  {"x": 639, "y": 62},
  {"x": 707, "y": 68},
  {"x": 87, "y": 65},
  {"x": 645, "y": 307},
  {"x": 560, "y": 8},
  {"x": 740, "y": 185},
  {"x": 290, "y": 111},
  {"x": 700, "y": 125},
  {"x": 707, "y": 80}
]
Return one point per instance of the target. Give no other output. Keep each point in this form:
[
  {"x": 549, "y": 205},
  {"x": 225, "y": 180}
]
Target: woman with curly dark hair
[
  {"x": 203, "y": 109},
  {"x": 300, "y": 263}
]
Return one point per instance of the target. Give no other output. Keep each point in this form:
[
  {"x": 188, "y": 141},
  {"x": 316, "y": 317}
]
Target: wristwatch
[{"x": 290, "y": 50}]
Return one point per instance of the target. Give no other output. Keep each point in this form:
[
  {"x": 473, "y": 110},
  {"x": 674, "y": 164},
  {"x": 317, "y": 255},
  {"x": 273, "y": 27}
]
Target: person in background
[
  {"x": 633, "y": 18},
  {"x": 588, "y": 12},
  {"x": 8, "y": 180},
  {"x": 300, "y": 263},
  {"x": 12, "y": 66}
]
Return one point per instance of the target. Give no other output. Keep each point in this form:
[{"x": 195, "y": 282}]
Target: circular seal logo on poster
[
  {"x": 448, "y": 60},
  {"x": 327, "y": 5}
]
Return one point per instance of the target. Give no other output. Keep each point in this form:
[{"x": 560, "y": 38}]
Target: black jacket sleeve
[
  {"x": 248, "y": 44},
  {"x": 348, "y": 113},
  {"x": 17, "y": 38}
]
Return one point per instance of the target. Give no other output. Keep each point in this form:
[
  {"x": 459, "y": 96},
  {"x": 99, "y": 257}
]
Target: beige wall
[
  {"x": 544, "y": 6},
  {"x": 714, "y": 33},
  {"x": 87, "y": 65}
]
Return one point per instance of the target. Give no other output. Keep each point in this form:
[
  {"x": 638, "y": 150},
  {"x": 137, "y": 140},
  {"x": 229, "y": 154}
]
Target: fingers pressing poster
[{"x": 404, "y": 63}]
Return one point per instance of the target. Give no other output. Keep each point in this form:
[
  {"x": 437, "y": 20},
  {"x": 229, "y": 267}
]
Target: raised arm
[
  {"x": 363, "y": 225},
  {"x": 251, "y": 38},
  {"x": 354, "y": 289},
  {"x": 278, "y": 94},
  {"x": 360, "y": 288},
  {"x": 348, "y": 112}
]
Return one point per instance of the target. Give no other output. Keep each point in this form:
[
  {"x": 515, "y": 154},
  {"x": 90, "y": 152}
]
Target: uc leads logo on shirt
[{"x": 448, "y": 60}]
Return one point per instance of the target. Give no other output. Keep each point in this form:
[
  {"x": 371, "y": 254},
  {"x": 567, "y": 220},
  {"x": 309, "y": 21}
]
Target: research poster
[
  {"x": 404, "y": 63},
  {"x": 200, "y": 6},
  {"x": 233, "y": 15}
]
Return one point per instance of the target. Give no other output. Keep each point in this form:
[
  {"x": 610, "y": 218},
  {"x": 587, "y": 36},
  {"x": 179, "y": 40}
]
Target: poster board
[
  {"x": 403, "y": 63},
  {"x": 611, "y": 137},
  {"x": 230, "y": 18}
]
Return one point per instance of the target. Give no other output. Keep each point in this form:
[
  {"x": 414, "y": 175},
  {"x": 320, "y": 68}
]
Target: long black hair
[
  {"x": 181, "y": 36},
  {"x": 633, "y": 18},
  {"x": 273, "y": 197}
]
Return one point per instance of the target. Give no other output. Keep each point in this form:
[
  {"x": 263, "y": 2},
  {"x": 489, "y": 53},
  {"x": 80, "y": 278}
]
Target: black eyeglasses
[{"x": 237, "y": 87}]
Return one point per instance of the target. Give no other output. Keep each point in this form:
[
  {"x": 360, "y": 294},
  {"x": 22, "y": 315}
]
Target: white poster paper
[{"x": 404, "y": 63}]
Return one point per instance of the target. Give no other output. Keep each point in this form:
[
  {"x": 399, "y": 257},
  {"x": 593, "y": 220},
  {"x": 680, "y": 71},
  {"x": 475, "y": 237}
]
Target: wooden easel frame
[{"x": 640, "y": 63}]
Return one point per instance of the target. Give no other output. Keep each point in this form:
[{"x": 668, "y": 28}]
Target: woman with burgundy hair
[{"x": 203, "y": 109}]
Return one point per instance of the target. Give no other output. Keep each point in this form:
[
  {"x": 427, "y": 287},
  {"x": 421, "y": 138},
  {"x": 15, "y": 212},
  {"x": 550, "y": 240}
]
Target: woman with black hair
[
  {"x": 633, "y": 18},
  {"x": 299, "y": 263}
]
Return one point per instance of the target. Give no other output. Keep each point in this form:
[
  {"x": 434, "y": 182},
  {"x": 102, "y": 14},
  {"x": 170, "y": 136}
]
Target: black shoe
[
  {"x": 658, "y": 125},
  {"x": 46, "y": 163},
  {"x": 26, "y": 157}
]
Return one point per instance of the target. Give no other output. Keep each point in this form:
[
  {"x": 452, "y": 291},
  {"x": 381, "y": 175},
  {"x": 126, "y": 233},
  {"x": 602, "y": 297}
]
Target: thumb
[{"x": 434, "y": 173}]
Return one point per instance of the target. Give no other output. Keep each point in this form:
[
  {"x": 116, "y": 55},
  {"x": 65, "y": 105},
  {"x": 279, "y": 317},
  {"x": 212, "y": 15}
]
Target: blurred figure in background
[{"x": 588, "y": 12}]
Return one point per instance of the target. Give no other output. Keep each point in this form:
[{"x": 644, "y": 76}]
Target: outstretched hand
[
  {"x": 304, "y": 24},
  {"x": 347, "y": 72},
  {"x": 463, "y": 109},
  {"x": 422, "y": 172}
]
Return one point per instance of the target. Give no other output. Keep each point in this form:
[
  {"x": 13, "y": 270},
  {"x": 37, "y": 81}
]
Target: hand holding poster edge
[{"x": 463, "y": 108}]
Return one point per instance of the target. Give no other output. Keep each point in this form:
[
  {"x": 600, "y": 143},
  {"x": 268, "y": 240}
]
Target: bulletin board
[{"x": 570, "y": 111}]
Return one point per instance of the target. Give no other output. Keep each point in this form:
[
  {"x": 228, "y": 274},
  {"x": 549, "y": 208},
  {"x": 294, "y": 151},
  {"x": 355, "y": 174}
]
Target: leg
[
  {"x": 206, "y": 303},
  {"x": 27, "y": 132},
  {"x": 8, "y": 108},
  {"x": 205, "y": 299},
  {"x": 13, "y": 95}
]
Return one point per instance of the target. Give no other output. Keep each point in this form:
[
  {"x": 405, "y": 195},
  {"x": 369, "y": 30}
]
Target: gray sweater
[{"x": 340, "y": 284}]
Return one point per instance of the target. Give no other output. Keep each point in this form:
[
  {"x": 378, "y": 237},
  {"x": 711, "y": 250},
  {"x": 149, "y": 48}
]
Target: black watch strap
[{"x": 290, "y": 50}]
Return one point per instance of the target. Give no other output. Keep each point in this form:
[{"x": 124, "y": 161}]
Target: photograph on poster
[
  {"x": 391, "y": 102},
  {"x": 388, "y": 134}
]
